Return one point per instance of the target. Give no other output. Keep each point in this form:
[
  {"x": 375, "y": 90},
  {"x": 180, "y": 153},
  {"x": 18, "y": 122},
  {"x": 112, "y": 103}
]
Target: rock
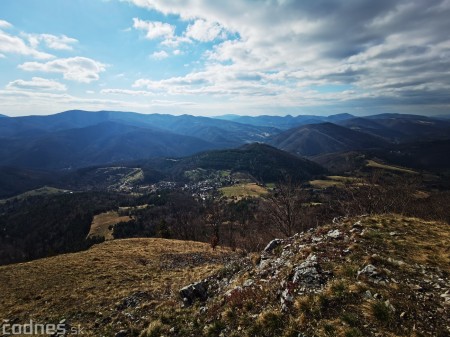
[
  {"x": 334, "y": 234},
  {"x": 370, "y": 269},
  {"x": 194, "y": 291},
  {"x": 368, "y": 294},
  {"x": 121, "y": 333},
  {"x": 133, "y": 300},
  {"x": 272, "y": 245},
  {"x": 248, "y": 283},
  {"x": 316, "y": 239},
  {"x": 357, "y": 224},
  {"x": 309, "y": 273},
  {"x": 388, "y": 304},
  {"x": 233, "y": 291},
  {"x": 372, "y": 274},
  {"x": 286, "y": 299}
]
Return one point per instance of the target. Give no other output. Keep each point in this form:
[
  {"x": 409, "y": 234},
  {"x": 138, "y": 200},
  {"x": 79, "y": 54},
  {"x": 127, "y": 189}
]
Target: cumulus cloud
[
  {"x": 387, "y": 49},
  {"x": 37, "y": 83},
  {"x": 61, "y": 42},
  {"x": 79, "y": 69},
  {"x": 160, "y": 55},
  {"x": 154, "y": 29},
  {"x": 10, "y": 44},
  {"x": 205, "y": 31}
]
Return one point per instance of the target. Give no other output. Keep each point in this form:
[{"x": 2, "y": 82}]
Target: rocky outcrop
[{"x": 193, "y": 292}]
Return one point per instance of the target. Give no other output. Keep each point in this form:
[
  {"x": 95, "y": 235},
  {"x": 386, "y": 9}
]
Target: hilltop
[
  {"x": 263, "y": 162},
  {"x": 384, "y": 275},
  {"x": 368, "y": 276}
]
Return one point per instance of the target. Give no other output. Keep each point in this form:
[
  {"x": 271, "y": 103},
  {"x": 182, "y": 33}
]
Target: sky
[{"x": 209, "y": 57}]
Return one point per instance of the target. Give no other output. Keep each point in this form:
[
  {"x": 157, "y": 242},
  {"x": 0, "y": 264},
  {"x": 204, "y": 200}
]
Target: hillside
[
  {"x": 263, "y": 162},
  {"x": 111, "y": 287},
  {"x": 369, "y": 276},
  {"x": 221, "y": 133},
  {"x": 400, "y": 127},
  {"x": 14, "y": 181},
  {"x": 315, "y": 139},
  {"x": 98, "y": 144}
]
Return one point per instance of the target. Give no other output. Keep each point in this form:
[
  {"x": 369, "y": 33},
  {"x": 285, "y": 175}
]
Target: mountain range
[{"x": 76, "y": 139}]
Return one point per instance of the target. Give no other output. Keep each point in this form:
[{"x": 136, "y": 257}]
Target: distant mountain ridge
[
  {"x": 285, "y": 122},
  {"x": 314, "y": 139},
  {"x": 103, "y": 143},
  {"x": 400, "y": 128},
  {"x": 222, "y": 133},
  {"x": 77, "y": 138}
]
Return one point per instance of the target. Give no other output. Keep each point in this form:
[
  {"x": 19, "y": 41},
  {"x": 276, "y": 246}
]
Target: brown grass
[
  {"x": 243, "y": 190},
  {"x": 374, "y": 164},
  {"x": 103, "y": 223},
  {"x": 84, "y": 287}
]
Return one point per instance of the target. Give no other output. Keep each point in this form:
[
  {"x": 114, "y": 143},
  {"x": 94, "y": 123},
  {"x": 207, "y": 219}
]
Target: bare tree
[{"x": 284, "y": 208}]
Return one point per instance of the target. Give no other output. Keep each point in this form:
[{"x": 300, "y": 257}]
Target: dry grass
[
  {"x": 374, "y": 164},
  {"x": 86, "y": 287},
  {"x": 334, "y": 181},
  {"x": 322, "y": 184},
  {"x": 243, "y": 190},
  {"x": 103, "y": 224}
]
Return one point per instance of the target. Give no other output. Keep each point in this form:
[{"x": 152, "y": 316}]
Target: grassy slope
[
  {"x": 91, "y": 287},
  {"x": 133, "y": 284},
  {"x": 243, "y": 190},
  {"x": 374, "y": 164},
  {"x": 408, "y": 297},
  {"x": 101, "y": 223}
]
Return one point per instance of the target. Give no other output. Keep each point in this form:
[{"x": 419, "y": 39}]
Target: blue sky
[{"x": 217, "y": 57}]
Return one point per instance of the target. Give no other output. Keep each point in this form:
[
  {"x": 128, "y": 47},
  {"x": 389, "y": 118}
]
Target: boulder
[
  {"x": 309, "y": 273},
  {"x": 272, "y": 245},
  {"x": 194, "y": 291}
]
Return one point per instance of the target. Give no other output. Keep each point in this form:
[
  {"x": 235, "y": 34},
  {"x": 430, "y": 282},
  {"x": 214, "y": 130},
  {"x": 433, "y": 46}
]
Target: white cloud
[
  {"x": 10, "y": 44},
  {"x": 80, "y": 69},
  {"x": 205, "y": 31},
  {"x": 154, "y": 29},
  {"x": 160, "y": 55},
  {"x": 37, "y": 83},
  {"x": 61, "y": 42},
  {"x": 177, "y": 52},
  {"x": 5, "y": 24},
  {"x": 393, "y": 51}
]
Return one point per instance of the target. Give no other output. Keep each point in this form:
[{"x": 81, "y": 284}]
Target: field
[
  {"x": 107, "y": 288},
  {"x": 46, "y": 190},
  {"x": 243, "y": 190},
  {"x": 333, "y": 181},
  {"x": 103, "y": 223},
  {"x": 374, "y": 164}
]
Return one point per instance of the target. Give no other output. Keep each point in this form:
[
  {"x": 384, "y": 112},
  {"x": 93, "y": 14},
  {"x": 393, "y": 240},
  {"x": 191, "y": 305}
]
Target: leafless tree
[{"x": 284, "y": 208}]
